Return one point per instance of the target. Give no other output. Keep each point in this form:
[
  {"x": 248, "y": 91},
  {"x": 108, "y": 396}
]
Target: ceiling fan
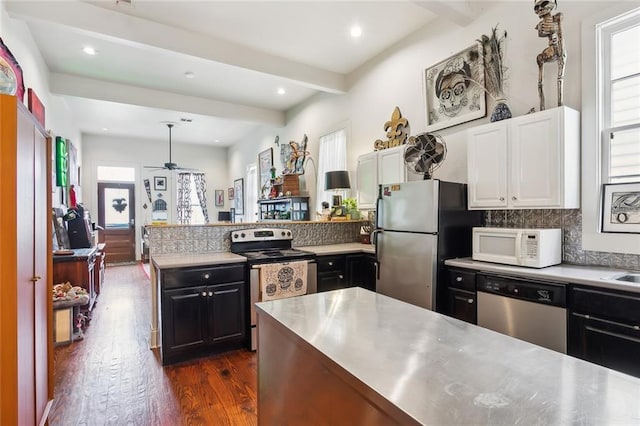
[{"x": 170, "y": 165}]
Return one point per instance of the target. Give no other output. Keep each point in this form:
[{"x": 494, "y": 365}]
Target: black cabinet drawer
[
  {"x": 331, "y": 263},
  {"x": 620, "y": 306},
  {"x": 463, "y": 279},
  {"x": 189, "y": 277},
  {"x": 607, "y": 343}
]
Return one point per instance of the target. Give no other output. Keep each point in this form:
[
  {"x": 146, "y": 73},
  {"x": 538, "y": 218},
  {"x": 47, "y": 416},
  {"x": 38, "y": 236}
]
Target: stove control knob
[
  {"x": 243, "y": 235},
  {"x": 288, "y": 234},
  {"x": 283, "y": 234},
  {"x": 235, "y": 235}
]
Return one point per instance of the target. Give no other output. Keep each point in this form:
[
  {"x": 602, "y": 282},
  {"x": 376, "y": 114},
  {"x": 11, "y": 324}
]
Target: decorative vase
[{"x": 501, "y": 110}]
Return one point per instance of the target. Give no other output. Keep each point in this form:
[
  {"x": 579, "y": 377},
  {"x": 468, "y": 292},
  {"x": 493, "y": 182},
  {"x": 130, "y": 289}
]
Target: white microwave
[{"x": 534, "y": 248}]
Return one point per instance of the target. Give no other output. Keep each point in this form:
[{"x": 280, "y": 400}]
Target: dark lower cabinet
[
  {"x": 604, "y": 328},
  {"x": 184, "y": 324},
  {"x": 368, "y": 273},
  {"x": 331, "y": 272},
  {"x": 202, "y": 319},
  {"x": 461, "y": 304},
  {"x": 460, "y": 295},
  {"x": 350, "y": 270}
]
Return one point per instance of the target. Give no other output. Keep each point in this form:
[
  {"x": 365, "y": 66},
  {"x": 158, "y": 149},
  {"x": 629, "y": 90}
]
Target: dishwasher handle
[{"x": 546, "y": 293}]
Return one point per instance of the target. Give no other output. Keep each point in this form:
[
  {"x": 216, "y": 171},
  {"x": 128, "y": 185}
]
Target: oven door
[{"x": 254, "y": 296}]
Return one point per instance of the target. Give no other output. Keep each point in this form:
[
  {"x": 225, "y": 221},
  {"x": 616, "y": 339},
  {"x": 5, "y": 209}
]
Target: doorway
[{"x": 116, "y": 214}]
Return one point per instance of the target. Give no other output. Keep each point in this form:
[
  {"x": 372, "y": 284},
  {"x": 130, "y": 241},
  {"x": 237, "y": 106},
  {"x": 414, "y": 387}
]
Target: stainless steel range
[{"x": 270, "y": 246}]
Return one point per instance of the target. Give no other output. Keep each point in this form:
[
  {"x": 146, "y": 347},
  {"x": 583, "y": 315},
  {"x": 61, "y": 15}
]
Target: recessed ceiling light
[
  {"x": 356, "y": 31},
  {"x": 190, "y": 74},
  {"x": 281, "y": 91},
  {"x": 104, "y": 129},
  {"x": 89, "y": 50},
  {"x": 217, "y": 140}
]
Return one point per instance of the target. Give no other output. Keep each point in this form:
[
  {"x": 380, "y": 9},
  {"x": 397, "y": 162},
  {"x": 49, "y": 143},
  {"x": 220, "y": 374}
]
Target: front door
[{"x": 116, "y": 214}]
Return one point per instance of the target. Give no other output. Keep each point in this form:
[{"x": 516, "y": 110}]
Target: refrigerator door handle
[
  {"x": 375, "y": 244},
  {"x": 378, "y": 209}
]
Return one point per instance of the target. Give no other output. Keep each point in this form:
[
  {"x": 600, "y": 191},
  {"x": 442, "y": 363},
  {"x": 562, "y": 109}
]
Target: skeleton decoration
[{"x": 550, "y": 26}]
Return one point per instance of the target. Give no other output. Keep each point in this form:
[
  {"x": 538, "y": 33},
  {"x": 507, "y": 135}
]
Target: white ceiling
[{"x": 241, "y": 52}]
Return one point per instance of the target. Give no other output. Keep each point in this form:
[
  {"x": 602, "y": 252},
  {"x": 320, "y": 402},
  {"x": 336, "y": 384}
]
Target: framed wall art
[
  {"x": 219, "y": 197},
  {"x": 621, "y": 207},
  {"x": 159, "y": 183},
  {"x": 11, "y": 81},
  {"x": 238, "y": 196},
  {"x": 454, "y": 89},
  {"x": 230, "y": 191},
  {"x": 265, "y": 163}
]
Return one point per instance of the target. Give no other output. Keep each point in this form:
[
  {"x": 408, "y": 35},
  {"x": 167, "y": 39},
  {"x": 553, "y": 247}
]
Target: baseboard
[
  {"x": 45, "y": 415},
  {"x": 154, "y": 338}
]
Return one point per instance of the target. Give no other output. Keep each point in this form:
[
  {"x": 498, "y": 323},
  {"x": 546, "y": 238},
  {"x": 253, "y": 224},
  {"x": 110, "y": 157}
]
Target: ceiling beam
[
  {"x": 132, "y": 30},
  {"x": 459, "y": 12},
  {"x": 82, "y": 87}
]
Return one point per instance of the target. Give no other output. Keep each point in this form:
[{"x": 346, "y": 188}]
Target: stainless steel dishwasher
[{"x": 529, "y": 310}]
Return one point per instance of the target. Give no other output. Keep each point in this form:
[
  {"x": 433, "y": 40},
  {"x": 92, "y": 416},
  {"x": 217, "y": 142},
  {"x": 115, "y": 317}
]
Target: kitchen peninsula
[
  {"x": 183, "y": 246},
  {"x": 357, "y": 357}
]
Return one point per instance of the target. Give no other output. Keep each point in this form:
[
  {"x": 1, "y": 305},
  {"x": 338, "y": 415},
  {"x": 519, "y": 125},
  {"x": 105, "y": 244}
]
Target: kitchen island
[{"x": 356, "y": 357}]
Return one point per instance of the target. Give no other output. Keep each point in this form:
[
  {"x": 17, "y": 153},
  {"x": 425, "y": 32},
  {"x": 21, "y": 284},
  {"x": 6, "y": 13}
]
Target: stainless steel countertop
[
  {"x": 345, "y": 248},
  {"x": 594, "y": 276},
  {"x": 440, "y": 370},
  {"x": 166, "y": 261}
]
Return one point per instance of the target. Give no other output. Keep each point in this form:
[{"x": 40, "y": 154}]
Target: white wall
[
  {"x": 107, "y": 150},
  {"x": 58, "y": 118},
  {"x": 395, "y": 78}
]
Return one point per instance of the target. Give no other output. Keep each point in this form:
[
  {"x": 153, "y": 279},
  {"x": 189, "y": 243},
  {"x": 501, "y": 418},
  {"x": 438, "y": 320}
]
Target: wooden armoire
[{"x": 26, "y": 339}]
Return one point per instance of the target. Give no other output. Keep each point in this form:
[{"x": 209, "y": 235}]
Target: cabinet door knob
[
  {"x": 636, "y": 327},
  {"x": 210, "y": 293},
  {"x": 330, "y": 263},
  {"x": 501, "y": 198},
  {"x": 514, "y": 198},
  {"x": 341, "y": 276},
  {"x": 206, "y": 276},
  {"x": 36, "y": 278},
  {"x": 458, "y": 279},
  {"x": 204, "y": 294},
  {"x": 470, "y": 300}
]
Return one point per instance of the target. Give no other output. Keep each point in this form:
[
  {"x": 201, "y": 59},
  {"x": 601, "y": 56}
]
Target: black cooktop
[{"x": 276, "y": 255}]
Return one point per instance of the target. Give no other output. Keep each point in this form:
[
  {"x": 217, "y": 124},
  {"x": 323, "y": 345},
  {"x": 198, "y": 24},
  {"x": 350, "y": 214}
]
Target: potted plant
[{"x": 351, "y": 207}]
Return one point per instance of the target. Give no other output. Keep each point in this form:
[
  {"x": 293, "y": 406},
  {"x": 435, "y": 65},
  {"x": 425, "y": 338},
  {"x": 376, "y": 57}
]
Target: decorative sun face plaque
[{"x": 454, "y": 89}]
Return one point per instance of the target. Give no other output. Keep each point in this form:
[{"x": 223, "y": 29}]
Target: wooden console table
[{"x": 79, "y": 269}]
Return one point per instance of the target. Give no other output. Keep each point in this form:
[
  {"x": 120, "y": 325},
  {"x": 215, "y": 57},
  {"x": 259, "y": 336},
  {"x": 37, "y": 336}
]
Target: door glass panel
[{"x": 116, "y": 212}]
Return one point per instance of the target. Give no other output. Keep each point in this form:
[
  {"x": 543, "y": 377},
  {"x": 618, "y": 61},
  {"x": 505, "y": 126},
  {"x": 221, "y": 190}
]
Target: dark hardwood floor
[{"x": 112, "y": 377}]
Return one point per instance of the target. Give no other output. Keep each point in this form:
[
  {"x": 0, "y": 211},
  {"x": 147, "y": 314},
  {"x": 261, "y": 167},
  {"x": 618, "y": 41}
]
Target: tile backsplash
[
  {"x": 215, "y": 238},
  {"x": 570, "y": 221}
]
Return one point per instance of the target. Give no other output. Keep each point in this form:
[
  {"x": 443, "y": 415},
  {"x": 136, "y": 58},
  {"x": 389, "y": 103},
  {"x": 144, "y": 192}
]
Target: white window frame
[
  {"x": 251, "y": 193},
  {"x": 593, "y": 123}
]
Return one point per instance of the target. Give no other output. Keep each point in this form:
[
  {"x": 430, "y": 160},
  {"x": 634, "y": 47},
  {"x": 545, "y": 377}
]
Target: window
[
  {"x": 610, "y": 117},
  {"x": 620, "y": 63},
  {"x": 116, "y": 174},
  {"x": 251, "y": 193},
  {"x": 189, "y": 209},
  {"x": 332, "y": 155}
]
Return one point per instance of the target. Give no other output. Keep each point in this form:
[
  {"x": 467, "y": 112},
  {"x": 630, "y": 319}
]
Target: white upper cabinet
[
  {"x": 367, "y": 180},
  {"x": 376, "y": 168},
  {"x": 527, "y": 162}
]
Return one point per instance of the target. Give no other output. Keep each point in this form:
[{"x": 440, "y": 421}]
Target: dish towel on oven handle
[{"x": 282, "y": 280}]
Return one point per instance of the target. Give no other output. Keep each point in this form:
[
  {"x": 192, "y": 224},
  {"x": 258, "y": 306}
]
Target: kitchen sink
[{"x": 629, "y": 277}]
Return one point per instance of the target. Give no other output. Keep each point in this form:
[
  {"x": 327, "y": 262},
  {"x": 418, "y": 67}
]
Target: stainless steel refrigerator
[{"x": 419, "y": 225}]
